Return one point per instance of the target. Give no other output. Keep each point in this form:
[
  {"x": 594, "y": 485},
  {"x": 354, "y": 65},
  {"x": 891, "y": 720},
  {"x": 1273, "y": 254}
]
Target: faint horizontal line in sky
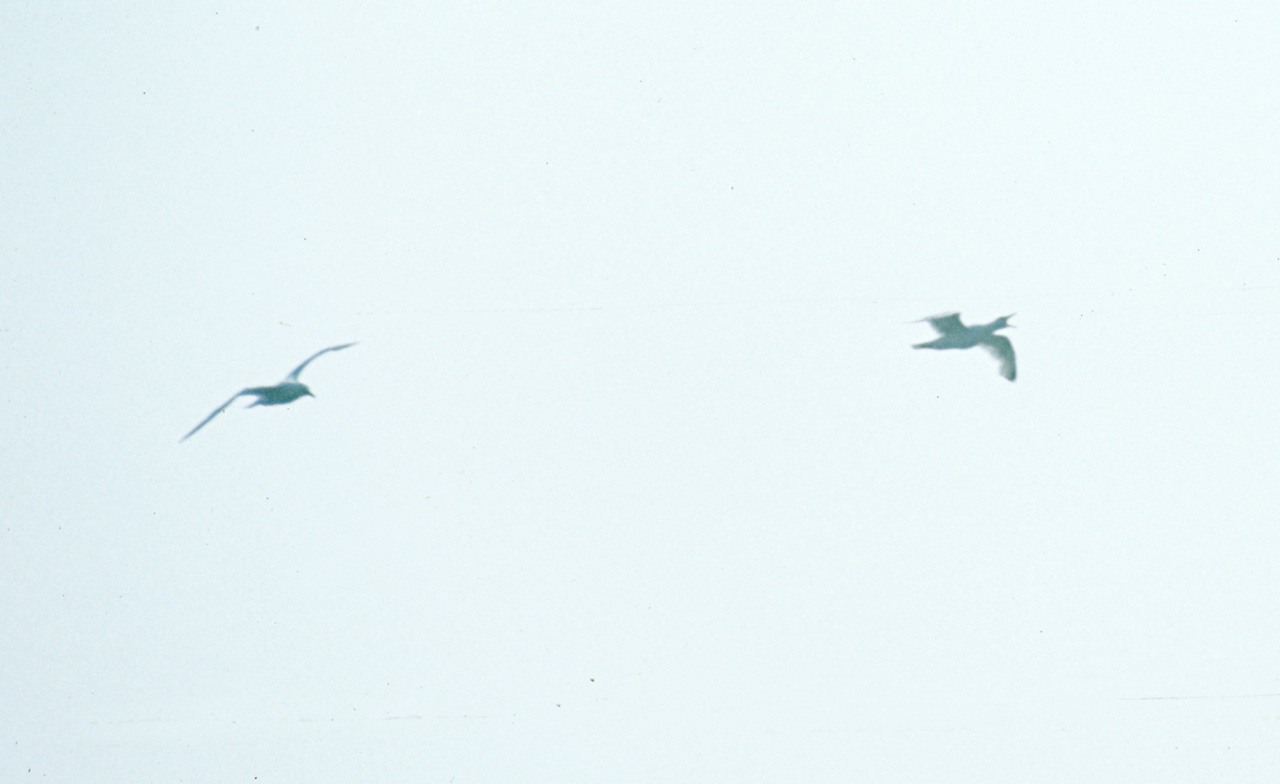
[
  {"x": 1205, "y": 697},
  {"x": 959, "y": 297}
]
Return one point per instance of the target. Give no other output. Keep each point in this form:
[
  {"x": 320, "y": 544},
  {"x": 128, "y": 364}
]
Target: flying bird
[
  {"x": 956, "y": 335},
  {"x": 286, "y": 391}
]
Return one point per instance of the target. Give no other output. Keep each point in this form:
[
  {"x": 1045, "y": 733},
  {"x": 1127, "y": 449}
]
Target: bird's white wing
[
  {"x": 294, "y": 375},
  {"x": 216, "y": 411},
  {"x": 947, "y": 324},
  {"x": 1000, "y": 346}
]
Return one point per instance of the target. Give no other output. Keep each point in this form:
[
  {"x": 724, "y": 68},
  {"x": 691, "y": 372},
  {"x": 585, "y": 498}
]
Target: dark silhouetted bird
[
  {"x": 286, "y": 391},
  {"x": 956, "y": 335}
]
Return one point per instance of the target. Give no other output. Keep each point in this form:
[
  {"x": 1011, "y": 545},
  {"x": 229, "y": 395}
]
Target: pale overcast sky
[{"x": 634, "y": 475}]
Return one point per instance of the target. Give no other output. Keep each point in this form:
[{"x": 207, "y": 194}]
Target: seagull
[
  {"x": 286, "y": 391},
  {"x": 956, "y": 335}
]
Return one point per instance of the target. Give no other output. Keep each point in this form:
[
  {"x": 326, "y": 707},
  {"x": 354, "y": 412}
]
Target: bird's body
[
  {"x": 286, "y": 391},
  {"x": 954, "y": 334}
]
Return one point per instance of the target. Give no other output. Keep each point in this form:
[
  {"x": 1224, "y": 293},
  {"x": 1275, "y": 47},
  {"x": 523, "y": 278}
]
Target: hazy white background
[{"x": 634, "y": 476}]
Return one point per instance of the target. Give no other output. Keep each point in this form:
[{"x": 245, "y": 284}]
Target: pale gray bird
[
  {"x": 956, "y": 335},
  {"x": 286, "y": 391}
]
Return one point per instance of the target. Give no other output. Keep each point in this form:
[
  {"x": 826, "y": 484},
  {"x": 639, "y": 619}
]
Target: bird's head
[{"x": 1003, "y": 321}]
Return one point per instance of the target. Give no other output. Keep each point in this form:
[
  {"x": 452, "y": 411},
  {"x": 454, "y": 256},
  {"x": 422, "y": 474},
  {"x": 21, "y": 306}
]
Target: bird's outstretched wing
[
  {"x": 294, "y": 375},
  {"x": 946, "y": 324},
  {"x": 1002, "y": 349},
  {"x": 216, "y": 411}
]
